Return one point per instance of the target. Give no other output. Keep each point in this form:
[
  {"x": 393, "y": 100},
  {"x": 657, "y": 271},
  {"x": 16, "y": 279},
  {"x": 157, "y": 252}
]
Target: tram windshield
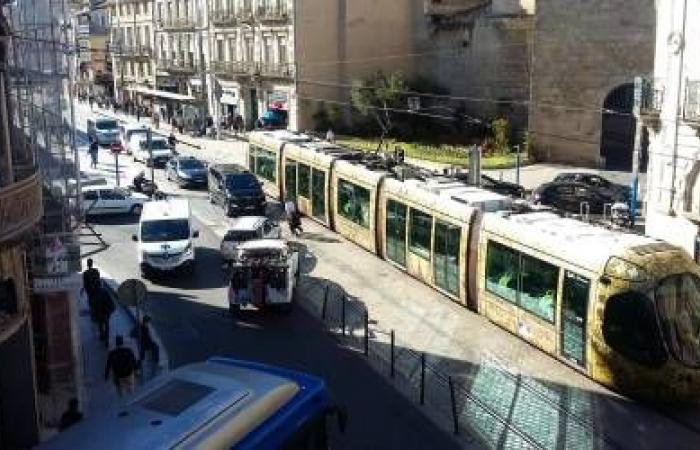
[{"x": 678, "y": 303}]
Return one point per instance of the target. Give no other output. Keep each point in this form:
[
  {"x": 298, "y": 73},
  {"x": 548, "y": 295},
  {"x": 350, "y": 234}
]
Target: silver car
[{"x": 245, "y": 229}]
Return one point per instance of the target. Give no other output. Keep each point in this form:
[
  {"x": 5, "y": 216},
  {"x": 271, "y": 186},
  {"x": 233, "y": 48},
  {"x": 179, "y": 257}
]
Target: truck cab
[{"x": 264, "y": 274}]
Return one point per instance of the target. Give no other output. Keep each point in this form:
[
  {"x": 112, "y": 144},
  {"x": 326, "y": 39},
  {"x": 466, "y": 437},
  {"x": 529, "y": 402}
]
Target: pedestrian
[
  {"x": 146, "y": 343},
  {"x": 156, "y": 119},
  {"x": 93, "y": 151},
  {"x": 293, "y": 218},
  {"x": 138, "y": 113},
  {"x": 330, "y": 136},
  {"x": 121, "y": 363},
  {"x": 104, "y": 308},
  {"x": 71, "y": 416},
  {"x": 91, "y": 282}
]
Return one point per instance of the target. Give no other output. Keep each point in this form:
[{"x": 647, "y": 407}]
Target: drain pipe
[{"x": 678, "y": 111}]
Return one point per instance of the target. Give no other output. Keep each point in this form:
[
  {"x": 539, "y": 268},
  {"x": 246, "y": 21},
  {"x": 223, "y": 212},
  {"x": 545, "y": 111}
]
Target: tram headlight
[{"x": 619, "y": 268}]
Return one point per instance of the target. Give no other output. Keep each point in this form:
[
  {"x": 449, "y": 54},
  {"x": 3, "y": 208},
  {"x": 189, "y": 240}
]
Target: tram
[{"x": 621, "y": 308}]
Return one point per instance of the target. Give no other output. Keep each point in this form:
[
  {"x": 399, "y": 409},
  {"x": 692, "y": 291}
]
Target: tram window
[
  {"x": 502, "y": 267},
  {"x": 446, "y": 266},
  {"x": 538, "y": 287},
  {"x": 290, "y": 180},
  {"x": 265, "y": 163},
  {"x": 353, "y": 202},
  {"x": 679, "y": 310},
  {"x": 318, "y": 194},
  {"x": 251, "y": 159},
  {"x": 421, "y": 226},
  {"x": 304, "y": 181},
  {"x": 396, "y": 231},
  {"x": 630, "y": 328}
]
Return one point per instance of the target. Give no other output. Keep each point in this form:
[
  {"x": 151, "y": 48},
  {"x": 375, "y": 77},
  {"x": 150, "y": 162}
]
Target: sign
[
  {"x": 55, "y": 255},
  {"x": 45, "y": 285},
  {"x": 132, "y": 292}
]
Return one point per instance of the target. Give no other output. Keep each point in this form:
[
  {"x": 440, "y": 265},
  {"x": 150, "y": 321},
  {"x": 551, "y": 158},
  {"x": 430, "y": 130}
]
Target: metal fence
[{"x": 487, "y": 404}]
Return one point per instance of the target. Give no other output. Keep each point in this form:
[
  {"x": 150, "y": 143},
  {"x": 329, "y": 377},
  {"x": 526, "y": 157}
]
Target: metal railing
[
  {"x": 276, "y": 70},
  {"x": 178, "y": 23},
  {"x": 223, "y": 17},
  {"x": 177, "y": 65},
  {"x": 133, "y": 51},
  {"x": 272, "y": 14},
  {"x": 233, "y": 68},
  {"x": 653, "y": 91},
  {"x": 691, "y": 105},
  {"x": 244, "y": 15},
  {"x": 475, "y": 401}
]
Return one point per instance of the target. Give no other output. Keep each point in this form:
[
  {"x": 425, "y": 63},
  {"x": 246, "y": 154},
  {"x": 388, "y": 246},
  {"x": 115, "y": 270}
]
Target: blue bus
[{"x": 218, "y": 404}]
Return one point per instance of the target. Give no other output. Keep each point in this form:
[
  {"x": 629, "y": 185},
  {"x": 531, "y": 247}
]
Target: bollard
[
  {"x": 366, "y": 333},
  {"x": 455, "y": 420},
  {"x": 325, "y": 302},
  {"x": 393, "y": 341},
  {"x": 342, "y": 310},
  {"x": 422, "y": 378}
]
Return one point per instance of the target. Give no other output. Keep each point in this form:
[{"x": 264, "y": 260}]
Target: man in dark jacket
[
  {"x": 121, "y": 363},
  {"x": 104, "y": 307},
  {"x": 91, "y": 282}
]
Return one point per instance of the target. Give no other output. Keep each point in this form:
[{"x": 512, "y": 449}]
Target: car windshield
[
  {"x": 157, "y": 144},
  {"x": 106, "y": 125},
  {"x": 191, "y": 164},
  {"x": 240, "y": 235},
  {"x": 678, "y": 304},
  {"x": 165, "y": 230},
  {"x": 243, "y": 181}
]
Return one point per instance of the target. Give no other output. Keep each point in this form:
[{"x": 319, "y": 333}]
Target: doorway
[{"x": 617, "y": 132}]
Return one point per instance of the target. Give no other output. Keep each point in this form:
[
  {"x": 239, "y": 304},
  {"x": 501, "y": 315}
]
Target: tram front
[{"x": 648, "y": 338}]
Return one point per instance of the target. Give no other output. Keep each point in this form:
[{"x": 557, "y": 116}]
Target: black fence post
[
  {"x": 366, "y": 333},
  {"x": 422, "y": 378},
  {"x": 325, "y": 303},
  {"x": 453, "y": 402},
  {"x": 342, "y": 311},
  {"x": 393, "y": 342}
]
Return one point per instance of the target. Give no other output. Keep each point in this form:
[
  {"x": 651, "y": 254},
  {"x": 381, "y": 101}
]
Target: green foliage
[
  {"x": 321, "y": 118},
  {"x": 499, "y": 134},
  {"x": 526, "y": 143},
  {"x": 377, "y": 96}
]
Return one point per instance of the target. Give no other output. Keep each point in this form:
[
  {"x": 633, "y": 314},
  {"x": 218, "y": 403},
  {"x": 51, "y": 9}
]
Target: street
[{"x": 191, "y": 317}]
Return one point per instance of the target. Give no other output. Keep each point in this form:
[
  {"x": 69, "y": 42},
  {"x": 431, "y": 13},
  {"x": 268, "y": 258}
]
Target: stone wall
[{"x": 582, "y": 51}]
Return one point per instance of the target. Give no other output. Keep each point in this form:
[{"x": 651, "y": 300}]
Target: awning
[{"x": 162, "y": 94}]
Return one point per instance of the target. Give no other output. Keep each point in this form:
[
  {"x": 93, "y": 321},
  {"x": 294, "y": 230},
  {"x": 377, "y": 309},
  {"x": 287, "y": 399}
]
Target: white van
[
  {"x": 166, "y": 237},
  {"x": 130, "y": 130},
  {"x": 104, "y": 129}
]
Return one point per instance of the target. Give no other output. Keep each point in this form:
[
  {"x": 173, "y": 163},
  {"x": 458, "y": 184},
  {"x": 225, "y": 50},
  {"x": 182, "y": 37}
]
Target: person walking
[
  {"x": 156, "y": 119},
  {"x": 146, "y": 343},
  {"x": 293, "y": 218},
  {"x": 330, "y": 136},
  {"x": 138, "y": 113},
  {"x": 91, "y": 282},
  {"x": 104, "y": 308},
  {"x": 121, "y": 364},
  {"x": 71, "y": 416},
  {"x": 93, "y": 150}
]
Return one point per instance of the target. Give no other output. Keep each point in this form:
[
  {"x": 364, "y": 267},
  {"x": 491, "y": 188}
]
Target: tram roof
[
  {"x": 274, "y": 138},
  {"x": 476, "y": 197},
  {"x": 581, "y": 243}
]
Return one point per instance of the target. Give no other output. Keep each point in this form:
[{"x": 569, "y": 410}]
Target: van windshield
[
  {"x": 242, "y": 181},
  {"x": 156, "y": 144},
  {"x": 106, "y": 125},
  {"x": 165, "y": 230}
]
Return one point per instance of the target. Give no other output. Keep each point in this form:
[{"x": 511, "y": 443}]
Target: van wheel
[{"x": 136, "y": 210}]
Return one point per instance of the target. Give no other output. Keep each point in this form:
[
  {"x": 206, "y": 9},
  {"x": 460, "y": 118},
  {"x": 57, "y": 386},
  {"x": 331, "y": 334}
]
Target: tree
[
  {"x": 378, "y": 97},
  {"x": 500, "y": 130}
]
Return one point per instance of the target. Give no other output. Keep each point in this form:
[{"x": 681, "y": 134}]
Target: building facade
[
  {"x": 671, "y": 113},
  {"x": 94, "y": 65}
]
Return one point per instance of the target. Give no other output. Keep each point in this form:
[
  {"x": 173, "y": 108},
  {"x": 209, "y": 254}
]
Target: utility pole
[
  {"x": 636, "y": 111},
  {"x": 150, "y": 155},
  {"x": 202, "y": 63}
]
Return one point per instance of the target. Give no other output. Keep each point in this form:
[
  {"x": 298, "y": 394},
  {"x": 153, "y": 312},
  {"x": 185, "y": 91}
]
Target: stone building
[{"x": 671, "y": 113}]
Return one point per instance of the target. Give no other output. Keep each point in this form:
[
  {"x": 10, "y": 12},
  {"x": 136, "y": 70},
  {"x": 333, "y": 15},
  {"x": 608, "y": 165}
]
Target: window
[
  {"x": 502, "y": 267},
  {"x": 249, "y": 50},
  {"x": 538, "y": 287},
  {"x": 353, "y": 203},
  {"x": 677, "y": 299},
  {"x": 318, "y": 194},
  {"x": 267, "y": 42},
  {"x": 220, "y": 50},
  {"x": 232, "y": 50},
  {"x": 265, "y": 163},
  {"x": 165, "y": 230},
  {"x": 421, "y": 226},
  {"x": 396, "y": 231},
  {"x": 290, "y": 180},
  {"x": 90, "y": 195},
  {"x": 304, "y": 181},
  {"x": 446, "y": 265},
  {"x": 630, "y": 328},
  {"x": 282, "y": 49}
]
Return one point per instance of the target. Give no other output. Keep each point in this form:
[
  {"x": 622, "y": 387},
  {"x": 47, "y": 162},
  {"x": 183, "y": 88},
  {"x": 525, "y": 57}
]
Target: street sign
[
  {"x": 115, "y": 148},
  {"x": 132, "y": 292}
]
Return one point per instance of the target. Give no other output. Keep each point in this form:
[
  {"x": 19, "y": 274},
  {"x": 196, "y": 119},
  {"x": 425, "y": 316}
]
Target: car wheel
[{"x": 136, "y": 210}]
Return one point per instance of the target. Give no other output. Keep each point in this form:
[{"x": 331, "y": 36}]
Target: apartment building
[
  {"x": 94, "y": 65},
  {"x": 131, "y": 47},
  {"x": 671, "y": 114}
]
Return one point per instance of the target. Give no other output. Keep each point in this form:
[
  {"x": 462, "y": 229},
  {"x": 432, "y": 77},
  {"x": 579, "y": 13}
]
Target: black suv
[{"x": 236, "y": 190}]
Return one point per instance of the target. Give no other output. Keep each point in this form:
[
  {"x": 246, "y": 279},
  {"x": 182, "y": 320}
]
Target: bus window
[
  {"x": 446, "y": 265},
  {"x": 353, "y": 203},
  {"x": 396, "y": 232},
  {"x": 538, "y": 287},
  {"x": 304, "y": 173},
  {"x": 318, "y": 194},
  {"x": 502, "y": 267},
  {"x": 421, "y": 229}
]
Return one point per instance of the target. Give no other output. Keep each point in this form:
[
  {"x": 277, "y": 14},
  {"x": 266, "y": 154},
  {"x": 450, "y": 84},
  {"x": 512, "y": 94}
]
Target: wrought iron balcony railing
[
  {"x": 691, "y": 106},
  {"x": 133, "y": 51},
  {"x": 276, "y": 70},
  {"x": 244, "y": 15},
  {"x": 272, "y": 14},
  {"x": 177, "y": 24},
  {"x": 653, "y": 91},
  {"x": 232, "y": 69},
  {"x": 177, "y": 65},
  {"x": 223, "y": 17}
]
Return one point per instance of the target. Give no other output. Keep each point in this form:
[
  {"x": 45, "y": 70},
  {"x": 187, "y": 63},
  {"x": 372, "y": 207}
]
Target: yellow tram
[{"x": 620, "y": 308}]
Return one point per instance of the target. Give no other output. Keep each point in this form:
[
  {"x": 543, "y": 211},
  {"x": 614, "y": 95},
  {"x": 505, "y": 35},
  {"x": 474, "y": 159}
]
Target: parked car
[
  {"x": 236, "y": 189},
  {"x": 159, "y": 153},
  {"x": 606, "y": 187},
  {"x": 245, "y": 229},
  {"x": 131, "y": 130},
  {"x": 101, "y": 200},
  {"x": 186, "y": 171},
  {"x": 569, "y": 197}
]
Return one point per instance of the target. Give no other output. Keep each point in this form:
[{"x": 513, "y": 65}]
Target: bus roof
[
  {"x": 221, "y": 403},
  {"x": 166, "y": 209}
]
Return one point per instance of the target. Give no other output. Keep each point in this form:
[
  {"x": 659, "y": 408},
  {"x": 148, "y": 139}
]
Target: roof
[
  {"x": 235, "y": 397},
  {"x": 247, "y": 223},
  {"x": 261, "y": 244},
  {"x": 580, "y": 243},
  {"x": 164, "y": 209},
  {"x": 427, "y": 200},
  {"x": 476, "y": 197}
]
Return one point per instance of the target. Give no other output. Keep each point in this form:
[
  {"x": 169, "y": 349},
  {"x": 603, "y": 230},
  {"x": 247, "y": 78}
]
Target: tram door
[{"x": 574, "y": 313}]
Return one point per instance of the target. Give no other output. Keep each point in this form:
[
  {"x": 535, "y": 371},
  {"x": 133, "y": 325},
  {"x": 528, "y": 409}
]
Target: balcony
[
  {"x": 223, "y": 17},
  {"x": 450, "y": 7},
  {"x": 282, "y": 71},
  {"x": 233, "y": 69},
  {"x": 244, "y": 15},
  {"x": 177, "y": 66},
  {"x": 20, "y": 207},
  {"x": 691, "y": 105},
  {"x": 652, "y": 96},
  {"x": 272, "y": 15},
  {"x": 178, "y": 24},
  {"x": 133, "y": 51}
]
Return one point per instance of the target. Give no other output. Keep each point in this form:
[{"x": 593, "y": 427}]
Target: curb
[{"x": 112, "y": 286}]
